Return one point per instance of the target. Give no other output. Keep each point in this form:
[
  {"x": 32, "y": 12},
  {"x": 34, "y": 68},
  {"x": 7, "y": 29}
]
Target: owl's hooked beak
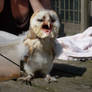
[{"x": 47, "y": 27}]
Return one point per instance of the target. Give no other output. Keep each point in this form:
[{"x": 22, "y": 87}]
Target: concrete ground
[{"x": 73, "y": 76}]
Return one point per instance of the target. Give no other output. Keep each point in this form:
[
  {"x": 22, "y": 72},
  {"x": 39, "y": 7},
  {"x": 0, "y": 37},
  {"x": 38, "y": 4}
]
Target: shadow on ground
[{"x": 66, "y": 70}]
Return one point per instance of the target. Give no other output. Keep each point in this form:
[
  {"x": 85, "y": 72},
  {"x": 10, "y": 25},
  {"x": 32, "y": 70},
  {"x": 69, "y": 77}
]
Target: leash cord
[{"x": 9, "y": 59}]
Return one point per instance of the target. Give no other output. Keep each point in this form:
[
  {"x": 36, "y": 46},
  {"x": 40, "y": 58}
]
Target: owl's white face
[{"x": 45, "y": 23}]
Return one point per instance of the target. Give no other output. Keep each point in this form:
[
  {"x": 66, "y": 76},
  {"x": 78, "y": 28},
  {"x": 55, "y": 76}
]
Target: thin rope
[{"x": 9, "y": 59}]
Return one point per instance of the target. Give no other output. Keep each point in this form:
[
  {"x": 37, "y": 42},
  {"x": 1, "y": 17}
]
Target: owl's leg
[
  {"x": 26, "y": 75},
  {"x": 50, "y": 79}
]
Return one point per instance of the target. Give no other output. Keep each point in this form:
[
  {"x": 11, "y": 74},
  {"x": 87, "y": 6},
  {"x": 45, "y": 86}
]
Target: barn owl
[{"x": 39, "y": 44}]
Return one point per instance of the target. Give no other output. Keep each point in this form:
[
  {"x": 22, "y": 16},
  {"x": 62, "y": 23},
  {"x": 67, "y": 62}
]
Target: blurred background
[{"x": 75, "y": 15}]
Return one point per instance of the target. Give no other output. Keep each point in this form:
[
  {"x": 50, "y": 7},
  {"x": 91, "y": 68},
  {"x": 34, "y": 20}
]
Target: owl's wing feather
[{"x": 31, "y": 34}]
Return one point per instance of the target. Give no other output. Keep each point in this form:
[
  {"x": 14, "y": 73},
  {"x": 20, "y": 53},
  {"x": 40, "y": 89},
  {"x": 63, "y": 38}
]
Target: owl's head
[{"x": 45, "y": 23}]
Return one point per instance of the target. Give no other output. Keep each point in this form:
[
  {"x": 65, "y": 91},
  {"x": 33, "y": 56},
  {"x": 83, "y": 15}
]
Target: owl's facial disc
[
  {"x": 46, "y": 27},
  {"x": 45, "y": 24}
]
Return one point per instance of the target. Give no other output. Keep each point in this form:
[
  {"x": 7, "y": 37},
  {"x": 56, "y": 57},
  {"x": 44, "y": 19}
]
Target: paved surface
[{"x": 72, "y": 76}]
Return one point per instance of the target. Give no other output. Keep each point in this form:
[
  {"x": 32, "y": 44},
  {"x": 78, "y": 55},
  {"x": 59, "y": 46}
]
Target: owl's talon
[
  {"x": 26, "y": 79},
  {"x": 50, "y": 79}
]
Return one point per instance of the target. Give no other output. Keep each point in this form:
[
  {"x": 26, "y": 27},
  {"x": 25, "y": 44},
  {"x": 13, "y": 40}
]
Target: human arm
[
  {"x": 40, "y": 4},
  {"x": 1, "y": 5}
]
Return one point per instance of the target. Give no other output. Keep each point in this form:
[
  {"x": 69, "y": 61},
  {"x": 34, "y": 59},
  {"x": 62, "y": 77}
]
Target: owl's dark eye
[
  {"x": 52, "y": 20},
  {"x": 40, "y": 20}
]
